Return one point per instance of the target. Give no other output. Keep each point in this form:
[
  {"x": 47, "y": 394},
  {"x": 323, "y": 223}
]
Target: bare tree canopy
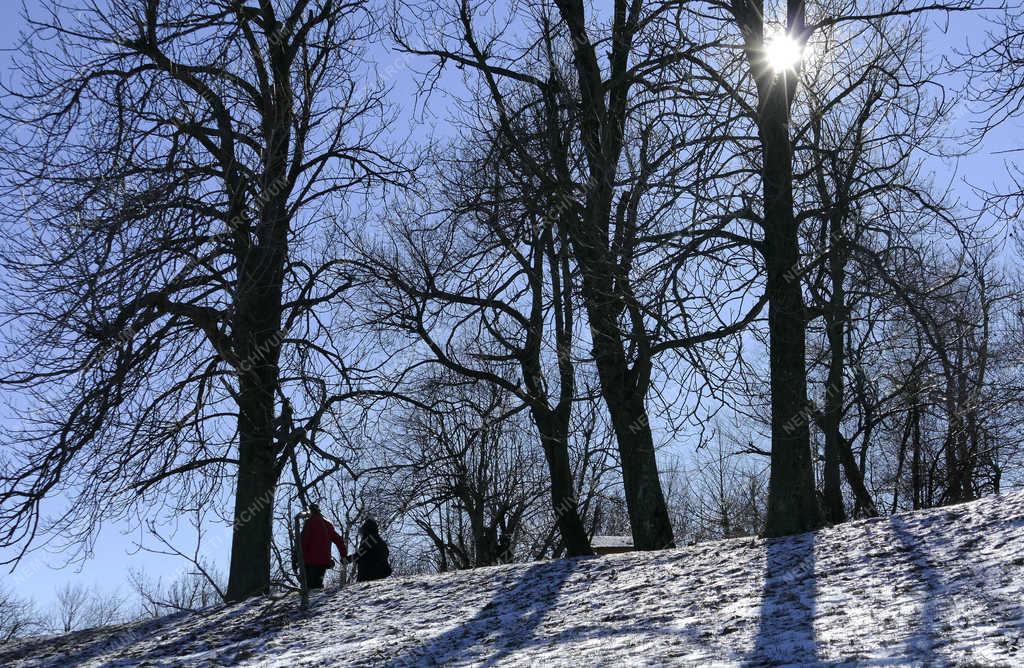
[
  {"x": 675, "y": 270},
  {"x": 178, "y": 170}
]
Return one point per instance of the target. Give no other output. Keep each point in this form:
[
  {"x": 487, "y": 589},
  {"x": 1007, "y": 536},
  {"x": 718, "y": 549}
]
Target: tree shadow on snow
[
  {"x": 924, "y": 635},
  {"x": 512, "y": 615},
  {"x": 510, "y": 621},
  {"x": 944, "y": 582},
  {"x": 785, "y": 631},
  {"x": 223, "y": 635}
]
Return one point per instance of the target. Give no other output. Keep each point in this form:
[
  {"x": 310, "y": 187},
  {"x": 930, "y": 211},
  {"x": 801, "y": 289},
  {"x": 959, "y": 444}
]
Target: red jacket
[{"x": 317, "y": 536}]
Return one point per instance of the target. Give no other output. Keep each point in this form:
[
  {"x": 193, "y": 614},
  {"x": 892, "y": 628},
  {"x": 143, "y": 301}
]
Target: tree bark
[
  {"x": 956, "y": 484},
  {"x": 645, "y": 500},
  {"x": 916, "y": 476},
  {"x": 257, "y": 332},
  {"x": 564, "y": 503},
  {"x": 792, "y": 502},
  {"x": 605, "y": 284},
  {"x": 855, "y": 478},
  {"x": 257, "y": 338},
  {"x": 835, "y": 511},
  {"x": 252, "y": 530}
]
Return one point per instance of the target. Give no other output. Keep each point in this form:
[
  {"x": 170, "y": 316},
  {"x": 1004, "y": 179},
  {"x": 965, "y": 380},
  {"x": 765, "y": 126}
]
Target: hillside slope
[{"x": 939, "y": 587}]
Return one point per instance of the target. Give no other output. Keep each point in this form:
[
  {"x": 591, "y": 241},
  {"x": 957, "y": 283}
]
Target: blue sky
[{"x": 115, "y": 549}]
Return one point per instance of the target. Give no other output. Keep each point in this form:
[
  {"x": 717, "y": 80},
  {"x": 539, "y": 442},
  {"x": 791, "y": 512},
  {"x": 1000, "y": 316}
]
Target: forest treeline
[{"x": 504, "y": 276}]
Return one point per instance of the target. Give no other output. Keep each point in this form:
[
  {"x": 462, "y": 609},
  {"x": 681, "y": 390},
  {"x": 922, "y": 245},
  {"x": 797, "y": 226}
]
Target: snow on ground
[{"x": 940, "y": 587}]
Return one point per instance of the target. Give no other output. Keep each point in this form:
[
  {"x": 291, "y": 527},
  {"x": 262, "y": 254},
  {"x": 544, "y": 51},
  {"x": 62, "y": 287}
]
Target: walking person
[
  {"x": 317, "y": 536},
  {"x": 371, "y": 557}
]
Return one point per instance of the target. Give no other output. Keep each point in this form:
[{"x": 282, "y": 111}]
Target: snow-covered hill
[{"x": 940, "y": 587}]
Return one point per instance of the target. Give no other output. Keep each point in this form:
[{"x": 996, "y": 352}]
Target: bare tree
[
  {"x": 754, "y": 54},
  {"x": 476, "y": 477},
  {"x": 863, "y": 203},
  {"x": 997, "y": 67},
  {"x": 970, "y": 331},
  {"x": 603, "y": 149},
  {"x": 177, "y": 166},
  {"x": 484, "y": 285},
  {"x": 18, "y": 617},
  {"x": 79, "y": 607},
  {"x": 189, "y": 591}
]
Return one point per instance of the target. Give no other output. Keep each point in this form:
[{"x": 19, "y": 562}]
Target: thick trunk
[
  {"x": 954, "y": 486},
  {"x": 955, "y": 434},
  {"x": 257, "y": 339},
  {"x": 958, "y": 486},
  {"x": 792, "y": 503},
  {"x": 605, "y": 269},
  {"x": 553, "y": 424},
  {"x": 645, "y": 500},
  {"x": 483, "y": 553},
  {"x": 835, "y": 511},
  {"x": 623, "y": 388},
  {"x": 254, "y": 494},
  {"x": 970, "y": 456},
  {"x": 563, "y": 490},
  {"x": 792, "y": 506},
  {"x": 916, "y": 476}
]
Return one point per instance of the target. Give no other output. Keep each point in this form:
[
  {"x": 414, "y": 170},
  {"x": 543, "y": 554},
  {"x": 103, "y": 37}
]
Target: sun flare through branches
[{"x": 782, "y": 52}]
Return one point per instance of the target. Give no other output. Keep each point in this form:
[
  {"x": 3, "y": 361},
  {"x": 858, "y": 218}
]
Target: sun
[{"x": 783, "y": 52}]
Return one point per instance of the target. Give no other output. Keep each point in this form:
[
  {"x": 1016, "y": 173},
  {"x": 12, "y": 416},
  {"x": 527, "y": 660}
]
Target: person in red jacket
[{"x": 317, "y": 536}]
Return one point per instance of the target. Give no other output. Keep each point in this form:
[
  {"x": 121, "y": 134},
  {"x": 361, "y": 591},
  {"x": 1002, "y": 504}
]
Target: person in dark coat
[
  {"x": 317, "y": 536},
  {"x": 371, "y": 556}
]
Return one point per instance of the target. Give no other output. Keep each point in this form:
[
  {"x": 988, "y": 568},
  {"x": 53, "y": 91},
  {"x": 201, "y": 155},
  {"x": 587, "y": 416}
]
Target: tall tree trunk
[
  {"x": 955, "y": 433},
  {"x": 958, "y": 464},
  {"x": 792, "y": 503},
  {"x": 973, "y": 447},
  {"x": 563, "y": 489},
  {"x": 257, "y": 338},
  {"x": 835, "y": 511},
  {"x": 623, "y": 386},
  {"x": 901, "y": 460},
  {"x": 624, "y": 394},
  {"x": 965, "y": 401},
  {"x": 261, "y": 255},
  {"x": 252, "y": 529},
  {"x": 553, "y": 424},
  {"x": 645, "y": 500},
  {"x": 604, "y": 104},
  {"x": 483, "y": 553}
]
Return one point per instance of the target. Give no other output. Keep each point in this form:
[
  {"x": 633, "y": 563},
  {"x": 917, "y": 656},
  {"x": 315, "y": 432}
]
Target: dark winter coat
[
  {"x": 372, "y": 559},
  {"x": 317, "y": 536}
]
